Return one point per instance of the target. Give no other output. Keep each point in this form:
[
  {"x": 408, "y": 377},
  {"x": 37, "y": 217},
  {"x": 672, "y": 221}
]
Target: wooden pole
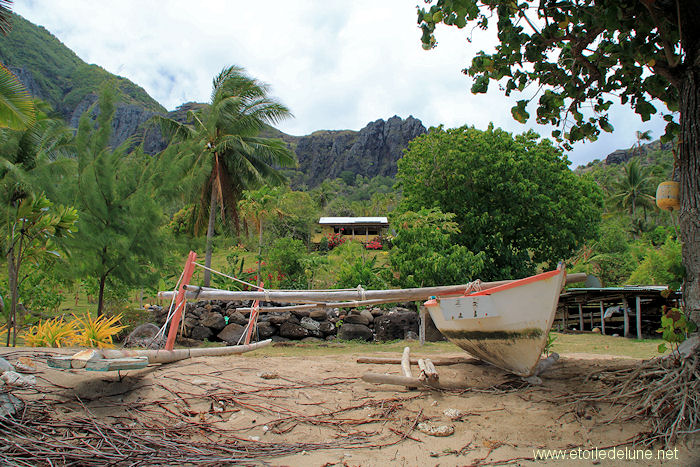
[
  {"x": 639, "y": 317},
  {"x": 180, "y": 300},
  {"x": 421, "y": 325},
  {"x": 253, "y": 318},
  {"x": 314, "y": 296},
  {"x": 437, "y": 362},
  {"x": 602, "y": 318},
  {"x": 580, "y": 317},
  {"x": 406, "y": 362},
  {"x": 625, "y": 307}
]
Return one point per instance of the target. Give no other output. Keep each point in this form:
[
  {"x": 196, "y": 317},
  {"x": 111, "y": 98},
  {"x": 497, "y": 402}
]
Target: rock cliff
[{"x": 371, "y": 151}]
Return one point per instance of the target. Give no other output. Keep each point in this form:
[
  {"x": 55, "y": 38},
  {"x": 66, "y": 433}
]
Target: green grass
[
  {"x": 564, "y": 344},
  {"x": 605, "y": 345}
]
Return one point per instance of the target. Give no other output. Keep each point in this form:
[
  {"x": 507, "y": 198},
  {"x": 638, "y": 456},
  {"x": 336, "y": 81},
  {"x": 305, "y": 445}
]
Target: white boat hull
[{"x": 506, "y": 326}]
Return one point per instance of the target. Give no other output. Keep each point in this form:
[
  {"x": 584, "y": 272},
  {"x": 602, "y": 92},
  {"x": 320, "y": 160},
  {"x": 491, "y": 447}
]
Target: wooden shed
[{"x": 360, "y": 228}]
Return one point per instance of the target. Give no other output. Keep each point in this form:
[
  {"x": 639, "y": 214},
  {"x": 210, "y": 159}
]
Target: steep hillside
[{"x": 54, "y": 73}]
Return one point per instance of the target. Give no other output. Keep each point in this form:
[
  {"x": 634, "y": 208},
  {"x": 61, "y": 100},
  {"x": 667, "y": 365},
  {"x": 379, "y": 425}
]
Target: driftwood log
[{"x": 379, "y": 378}]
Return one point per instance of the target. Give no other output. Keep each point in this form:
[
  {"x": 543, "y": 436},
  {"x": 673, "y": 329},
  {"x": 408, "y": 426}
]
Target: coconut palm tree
[
  {"x": 226, "y": 154},
  {"x": 631, "y": 189},
  {"x": 16, "y": 105}
]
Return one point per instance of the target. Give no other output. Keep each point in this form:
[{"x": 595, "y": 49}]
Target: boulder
[
  {"x": 293, "y": 331},
  {"x": 395, "y": 325},
  {"x": 232, "y": 333},
  {"x": 279, "y": 318},
  {"x": 213, "y": 320},
  {"x": 377, "y": 312},
  {"x": 301, "y": 313},
  {"x": 200, "y": 333},
  {"x": 326, "y": 327},
  {"x": 351, "y": 331},
  {"x": 318, "y": 314},
  {"x": 310, "y": 324},
  {"x": 144, "y": 336},
  {"x": 367, "y": 314},
  {"x": 266, "y": 330},
  {"x": 236, "y": 317},
  {"x": 356, "y": 318}
]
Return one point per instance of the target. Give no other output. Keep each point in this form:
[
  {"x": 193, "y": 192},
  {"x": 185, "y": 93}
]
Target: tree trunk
[
  {"x": 210, "y": 237},
  {"x": 260, "y": 241},
  {"x": 101, "y": 295},
  {"x": 12, "y": 283},
  {"x": 690, "y": 185}
]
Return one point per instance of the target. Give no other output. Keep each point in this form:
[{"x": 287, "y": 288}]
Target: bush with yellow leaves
[{"x": 81, "y": 331}]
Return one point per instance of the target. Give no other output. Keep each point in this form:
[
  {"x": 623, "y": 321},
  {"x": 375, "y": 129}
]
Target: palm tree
[
  {"x": 16, "y": 105},
  {"x": 227, "y": 154},
  {"x": 631, "y": 188},
  {"x": 34, "y": 157},
  {"x": 641, "y": 136}
]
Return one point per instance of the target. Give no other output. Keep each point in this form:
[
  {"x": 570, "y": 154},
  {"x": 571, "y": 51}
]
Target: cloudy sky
[{"x": 336, "y": 64}]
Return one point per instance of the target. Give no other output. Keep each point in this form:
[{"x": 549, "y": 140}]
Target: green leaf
[
  {"x": 16, "y": 105},
  {"x": 519, "y": 113}
]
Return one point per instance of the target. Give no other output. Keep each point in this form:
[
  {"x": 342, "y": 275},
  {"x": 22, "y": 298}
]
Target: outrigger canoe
[{"x": 506, "y": 325}]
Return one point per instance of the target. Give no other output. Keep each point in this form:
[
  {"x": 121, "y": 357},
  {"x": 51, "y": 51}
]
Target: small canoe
[{"x": 506, "y": 325}]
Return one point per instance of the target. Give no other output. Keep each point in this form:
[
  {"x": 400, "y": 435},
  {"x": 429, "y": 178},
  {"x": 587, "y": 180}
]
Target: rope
[
  {"x": 362, "y": 292},
  {"x": 474, "y": 286},
  {"x": 171, "y": 312},
  {"x": 227, "y": 276}
]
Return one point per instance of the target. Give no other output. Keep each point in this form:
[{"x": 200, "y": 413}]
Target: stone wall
[{"x": 221, "y": 321}]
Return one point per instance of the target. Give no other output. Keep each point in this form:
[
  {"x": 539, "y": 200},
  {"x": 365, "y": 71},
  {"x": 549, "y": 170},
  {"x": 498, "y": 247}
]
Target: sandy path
[{"x": 317, "y": 411}]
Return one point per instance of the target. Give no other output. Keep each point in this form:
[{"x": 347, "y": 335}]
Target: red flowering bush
[
  {"x": 335, "y": 239},
  {"x": 374, "y": 244}
]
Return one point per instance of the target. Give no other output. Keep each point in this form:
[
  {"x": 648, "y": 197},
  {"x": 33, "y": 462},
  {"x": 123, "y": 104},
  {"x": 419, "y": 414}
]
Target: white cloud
[{"x": 335, "y": 64}]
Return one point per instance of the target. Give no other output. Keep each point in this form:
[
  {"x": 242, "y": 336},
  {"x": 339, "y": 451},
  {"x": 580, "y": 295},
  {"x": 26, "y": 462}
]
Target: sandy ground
[{"x": 322, "y": 414}]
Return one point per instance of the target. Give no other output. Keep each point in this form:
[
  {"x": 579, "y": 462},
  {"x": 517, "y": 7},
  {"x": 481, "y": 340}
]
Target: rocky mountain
[
  {"x": 371, "y": 151},
  {"x": 54, "y": 73},
  {"x": 623, "y": 155}
]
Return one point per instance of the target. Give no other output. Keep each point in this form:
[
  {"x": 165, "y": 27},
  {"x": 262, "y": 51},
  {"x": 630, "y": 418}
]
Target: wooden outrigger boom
[{"x": 339, "y": 298}]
